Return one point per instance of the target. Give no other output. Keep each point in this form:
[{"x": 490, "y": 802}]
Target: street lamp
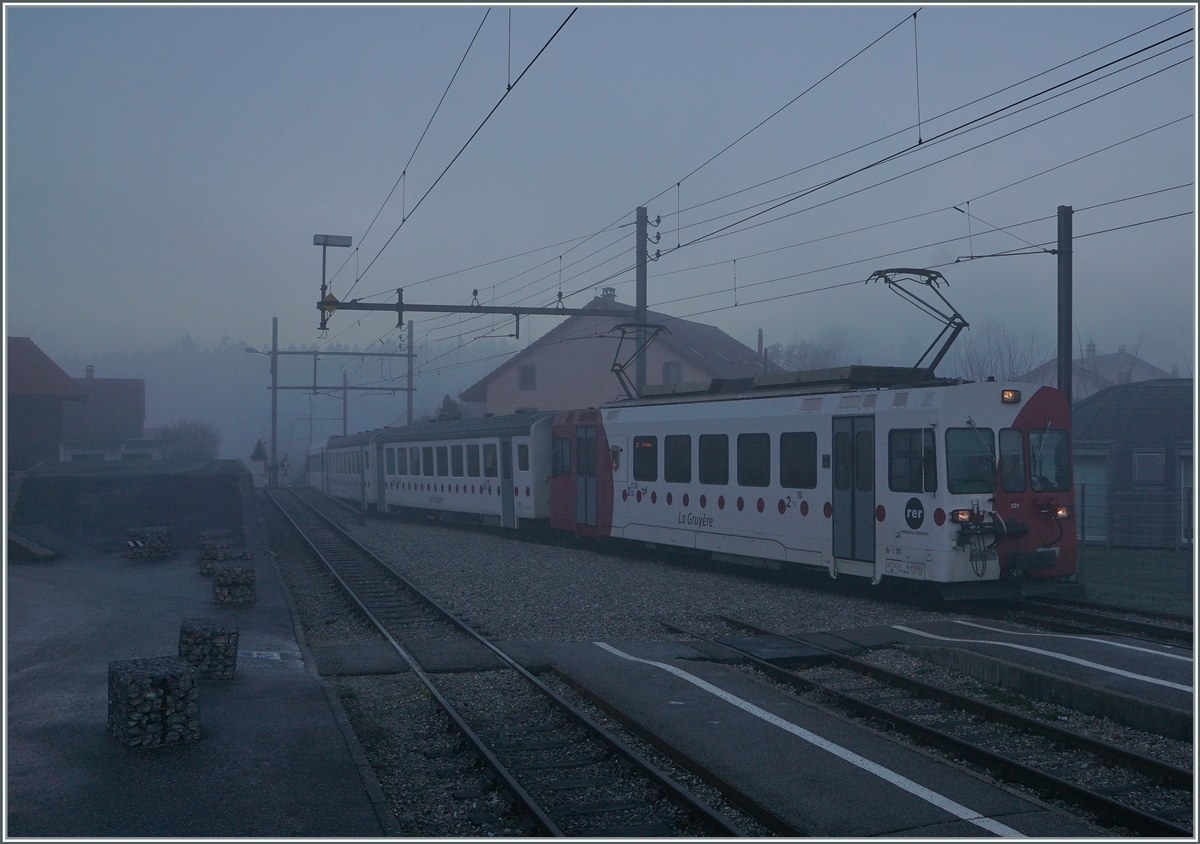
[{"x": 273, "y": 466}]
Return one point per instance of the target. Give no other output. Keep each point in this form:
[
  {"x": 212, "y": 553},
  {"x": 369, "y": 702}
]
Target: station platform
[
  {"x": 275, "y": 758},
  {"x": 820, "y": 774}
]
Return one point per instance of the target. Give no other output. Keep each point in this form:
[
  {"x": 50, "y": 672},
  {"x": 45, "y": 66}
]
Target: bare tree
[
  {"x": 800, "y": 355},
  {"x": 192, "y": 440},
  {"x": 998, "y": 354}
]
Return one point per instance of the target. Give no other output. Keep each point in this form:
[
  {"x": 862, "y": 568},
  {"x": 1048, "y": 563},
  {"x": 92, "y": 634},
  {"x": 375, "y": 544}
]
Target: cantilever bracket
[
  {"x": 952, "y": 322},
  {"x": 627, "y": 328}
]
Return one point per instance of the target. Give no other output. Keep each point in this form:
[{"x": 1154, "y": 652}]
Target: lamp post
[{"x": 273, "y": 465}]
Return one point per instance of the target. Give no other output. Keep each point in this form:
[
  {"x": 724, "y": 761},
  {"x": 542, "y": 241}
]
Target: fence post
[{"x": 1082, "y": 516}]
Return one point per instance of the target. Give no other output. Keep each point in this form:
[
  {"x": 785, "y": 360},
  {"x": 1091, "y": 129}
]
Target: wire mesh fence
[{"x": 1134, "y": 518}]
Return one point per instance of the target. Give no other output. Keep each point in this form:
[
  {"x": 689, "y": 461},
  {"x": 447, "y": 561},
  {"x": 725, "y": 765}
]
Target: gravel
[{"x": 529, "y": 591}]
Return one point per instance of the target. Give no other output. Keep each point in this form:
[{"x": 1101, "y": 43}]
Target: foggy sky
[{"x": 166, "y": 169}]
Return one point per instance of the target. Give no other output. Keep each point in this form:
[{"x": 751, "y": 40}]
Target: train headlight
[
  {"x": 1010, "y": 396},
  {"x": 1061, "y": 513},
  {"x": 960, "y": 516}
]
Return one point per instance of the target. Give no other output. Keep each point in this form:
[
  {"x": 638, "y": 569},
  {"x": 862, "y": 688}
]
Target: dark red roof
[
  {"x": 32, "y": 373},
  {"x": 115, "y": 410}
]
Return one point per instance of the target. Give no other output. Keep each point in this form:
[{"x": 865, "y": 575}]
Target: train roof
[
  {"x": 839, "y": 379},
  {"x": 510, "y": 425}
]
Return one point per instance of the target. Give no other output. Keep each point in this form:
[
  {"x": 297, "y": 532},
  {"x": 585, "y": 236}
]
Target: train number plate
[{"x": 899, "y": 568}]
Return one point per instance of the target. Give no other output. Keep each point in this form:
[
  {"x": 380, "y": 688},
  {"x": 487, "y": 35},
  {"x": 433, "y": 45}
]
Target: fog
[{"x": 167, "y": 168}]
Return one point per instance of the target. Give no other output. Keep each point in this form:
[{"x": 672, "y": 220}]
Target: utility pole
[
  {"x": 1065, "y": 321},
  {"x": 345, "y": 402},
  {"x": 273, "y": 471},
  {"x": 640, "y": 239},
  {"x": 411, "y": 355}
]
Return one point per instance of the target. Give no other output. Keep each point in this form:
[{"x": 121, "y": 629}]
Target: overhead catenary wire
[{"x": 503, "y": 97}]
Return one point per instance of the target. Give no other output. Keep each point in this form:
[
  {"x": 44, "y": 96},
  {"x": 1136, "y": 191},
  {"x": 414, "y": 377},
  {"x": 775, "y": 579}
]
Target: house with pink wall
[{"x": 570, "y": 367}]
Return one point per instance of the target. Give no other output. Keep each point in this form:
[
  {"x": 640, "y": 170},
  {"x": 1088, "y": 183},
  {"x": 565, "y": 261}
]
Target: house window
[
  {"x": 527, "y": 377},
  {"x": 713, "y": 452},
  {"x": 677, "y": 459},
  {"x": 672, "y": 372},
  {"x": 1148, "y": 467},
  {"x": 645, "y": 458}
]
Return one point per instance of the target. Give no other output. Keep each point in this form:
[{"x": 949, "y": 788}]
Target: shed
[{"x": 1133, "y": 464}]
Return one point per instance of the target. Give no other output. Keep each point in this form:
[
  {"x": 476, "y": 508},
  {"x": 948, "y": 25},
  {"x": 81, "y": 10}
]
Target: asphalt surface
[{"x": 272, "y": 760}]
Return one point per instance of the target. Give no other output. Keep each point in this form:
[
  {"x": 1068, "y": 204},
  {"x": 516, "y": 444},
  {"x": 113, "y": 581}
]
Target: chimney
[
  {"x": 90, "y": 371},
  {"x": 1121, "y": 349},
  {"x": 1091, "y": 355},
  {"x": 608, "y": 294}
]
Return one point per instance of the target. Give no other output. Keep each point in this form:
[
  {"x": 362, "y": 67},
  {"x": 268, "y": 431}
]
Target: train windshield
[
  {"x": 970, "y": 467},
  {"x": 1049, "y": 460}
]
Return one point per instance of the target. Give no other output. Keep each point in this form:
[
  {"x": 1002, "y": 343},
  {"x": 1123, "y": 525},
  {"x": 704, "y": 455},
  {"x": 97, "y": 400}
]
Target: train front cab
[{"x": 581, "y": 467}]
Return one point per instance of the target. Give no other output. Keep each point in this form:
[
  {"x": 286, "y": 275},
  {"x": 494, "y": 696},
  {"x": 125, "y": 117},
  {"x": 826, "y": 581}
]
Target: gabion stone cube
[
  {"x": 141, "y": 543},
  {"x": 210, "y": 646},
  {"x": 213, "y": 551},
  {"x": 233, "y": 585},
  {"x": 152, "y": 702}
]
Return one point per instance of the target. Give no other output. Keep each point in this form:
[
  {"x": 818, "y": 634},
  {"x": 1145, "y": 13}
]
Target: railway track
[
  {"x": 1123, "y": 788},
  {"x": 1077, "y": 616},
  {"x": 563, "y": 774}
]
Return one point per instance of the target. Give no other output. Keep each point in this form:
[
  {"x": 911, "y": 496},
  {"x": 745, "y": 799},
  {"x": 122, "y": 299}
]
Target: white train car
[
  {"x": 847, "y": 470},
  {"x": 314, "y": 466},
  {"x": 347, "y": 470},
  {"x": 495, "y": 470}
]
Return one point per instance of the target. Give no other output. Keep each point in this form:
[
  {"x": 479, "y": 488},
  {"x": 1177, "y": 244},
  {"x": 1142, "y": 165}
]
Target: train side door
[
  {"x": 508, "y": 515},
  {"x": 585, "y": 476},
  {"x": 854, "y": 488}
]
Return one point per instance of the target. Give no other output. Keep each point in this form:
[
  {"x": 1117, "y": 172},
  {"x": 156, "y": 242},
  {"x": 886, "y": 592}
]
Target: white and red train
[{"x": 850, "y": 470}]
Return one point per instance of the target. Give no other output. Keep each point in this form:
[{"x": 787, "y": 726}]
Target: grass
[{"x": 1153, "y": 580}]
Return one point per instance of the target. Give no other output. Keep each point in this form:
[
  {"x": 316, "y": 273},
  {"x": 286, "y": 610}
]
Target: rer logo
[{"x": 914, "y": 513}]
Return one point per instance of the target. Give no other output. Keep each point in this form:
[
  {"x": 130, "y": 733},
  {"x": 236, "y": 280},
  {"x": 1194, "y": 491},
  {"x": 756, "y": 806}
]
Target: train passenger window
[
  {"x": 560, "y": 457},
  {"x": 1049, "y": 460},
  {"x": 414, "y": 457},
  {"x": 402, "y": 461},
  {"x": 912, "y": 460},
  {"x": 645, "y": 458},
  {"x": 522, "y": 458},
  {"x": 970, "y": 466},
  {"x": 366, "y": 460},
  {"x": 754, "y": 459},
  {"x": 391, "y": 461},
  {"x": 456, "y": 461},
  {"x": 491, "y": 461},
  {"x": 677, "y": 458},
  {"x": 864, "y": 475},
  {"x": 472, "y": 461},
  {"x": 427, "y": 460},
  {"x": 798, "y": 460},
  {"x": 443, "y": 461},
  {"x": 1012, "y": 460},
  {"x": 713, "y": 463}
]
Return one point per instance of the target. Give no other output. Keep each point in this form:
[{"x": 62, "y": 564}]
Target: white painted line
[
  {"x": 1053, "y": 654},
  {"x": 1073, "y": 636},
  {"x": 898, "y": 780}
]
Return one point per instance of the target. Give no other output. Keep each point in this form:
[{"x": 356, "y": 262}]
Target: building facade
[
  {"x": 571, "y": 366},
  {"x": 38, "y": 389}
]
